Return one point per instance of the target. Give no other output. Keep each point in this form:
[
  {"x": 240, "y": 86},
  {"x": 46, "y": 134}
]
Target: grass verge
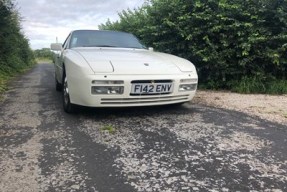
[
  {"x": 8, "y": 74},
  {"x": 251, "y": 85},
  {"x": 108, "y": 128},
  {"x": 43, "y": 60}
]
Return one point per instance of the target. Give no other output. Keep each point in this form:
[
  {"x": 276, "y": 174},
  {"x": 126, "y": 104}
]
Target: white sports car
[{"x": 113, "y": 69}]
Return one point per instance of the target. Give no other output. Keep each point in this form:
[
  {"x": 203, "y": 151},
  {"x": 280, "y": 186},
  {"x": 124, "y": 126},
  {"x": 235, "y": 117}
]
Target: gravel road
[
  {"x": 189, "y": 148},
  {"x": 269, "y": 107}
]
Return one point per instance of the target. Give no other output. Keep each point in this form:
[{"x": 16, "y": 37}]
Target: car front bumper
[{"x": 81, "y": 94}]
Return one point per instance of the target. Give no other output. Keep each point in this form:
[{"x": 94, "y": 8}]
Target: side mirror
[
  {"x": 56, "y": 46},
  {"x": 150, "y": 48}
]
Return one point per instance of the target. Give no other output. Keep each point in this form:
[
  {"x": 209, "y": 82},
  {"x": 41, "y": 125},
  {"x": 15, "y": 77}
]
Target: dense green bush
[
  {"x": 236, "y": 45},
  {"x": 15, "y": 52}
]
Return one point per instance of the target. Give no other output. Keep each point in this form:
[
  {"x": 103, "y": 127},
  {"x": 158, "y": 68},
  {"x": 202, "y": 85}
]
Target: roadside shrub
[
  {"x": 249, "y": 85},
  {"x": 44, "y": 53},
  {"x": 235, "y": 45},
  {"x": 15, "y": 52}
]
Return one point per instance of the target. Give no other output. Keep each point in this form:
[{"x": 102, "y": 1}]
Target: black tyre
[{"x": 68, "y": 106}]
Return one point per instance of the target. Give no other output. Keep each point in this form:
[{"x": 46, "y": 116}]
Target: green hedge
[
  {"x": 15, "y": 52},
  {"x": 236, "y": 45}
]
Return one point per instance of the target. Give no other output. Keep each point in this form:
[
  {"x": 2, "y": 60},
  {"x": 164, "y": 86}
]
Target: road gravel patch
[{"x": 269, "y": 107}]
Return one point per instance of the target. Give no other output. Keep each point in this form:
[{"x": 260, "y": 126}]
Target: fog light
[
  {"x": 105, "y": 82},
  {"x": 107, "y": 90},
  {"x": 187, "y": 87}
]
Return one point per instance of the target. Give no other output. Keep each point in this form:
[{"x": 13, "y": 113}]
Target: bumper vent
[{"x": 145, "y": 100}]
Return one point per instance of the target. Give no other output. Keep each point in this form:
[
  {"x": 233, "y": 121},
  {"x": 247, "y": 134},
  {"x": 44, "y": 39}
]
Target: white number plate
[{"x": 148, "y": 88}]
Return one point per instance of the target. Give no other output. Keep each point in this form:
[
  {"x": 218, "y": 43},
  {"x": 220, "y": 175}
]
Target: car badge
[
  {"x": 146, "y": 64},
  {"x": 152, "y": 82}
]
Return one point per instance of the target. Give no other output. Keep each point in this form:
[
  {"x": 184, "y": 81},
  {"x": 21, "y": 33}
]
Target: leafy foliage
[
  {"x": 233, "y": 43},
  {"x": 15, "y": 52},
  {"x": 44, "y": 53}
]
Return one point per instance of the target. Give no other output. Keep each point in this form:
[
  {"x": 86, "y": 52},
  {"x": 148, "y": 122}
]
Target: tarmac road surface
[{"x": 187, "y": 148}]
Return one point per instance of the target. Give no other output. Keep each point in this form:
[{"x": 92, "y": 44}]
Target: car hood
[{"x": 133, "y": 61}]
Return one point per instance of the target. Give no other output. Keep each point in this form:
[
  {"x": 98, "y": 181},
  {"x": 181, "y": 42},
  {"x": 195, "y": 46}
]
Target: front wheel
[{"x": 68, "y": 106}]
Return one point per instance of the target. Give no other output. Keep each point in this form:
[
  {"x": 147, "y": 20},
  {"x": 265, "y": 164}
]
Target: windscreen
[{"x": 90, "y": 38}]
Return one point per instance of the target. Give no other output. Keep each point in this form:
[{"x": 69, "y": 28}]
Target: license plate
[{"x": 151, "y": 88}]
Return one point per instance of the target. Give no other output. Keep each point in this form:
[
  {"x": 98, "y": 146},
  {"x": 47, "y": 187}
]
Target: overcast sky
[{"x": 44, "y": 20}]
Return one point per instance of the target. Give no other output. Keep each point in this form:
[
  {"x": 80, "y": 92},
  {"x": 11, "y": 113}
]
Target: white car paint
[{"x": 130, "y": 61}]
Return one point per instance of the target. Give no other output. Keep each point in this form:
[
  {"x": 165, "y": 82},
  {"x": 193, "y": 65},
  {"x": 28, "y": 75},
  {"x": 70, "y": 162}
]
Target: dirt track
[{"x": 188, "y": 148}]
